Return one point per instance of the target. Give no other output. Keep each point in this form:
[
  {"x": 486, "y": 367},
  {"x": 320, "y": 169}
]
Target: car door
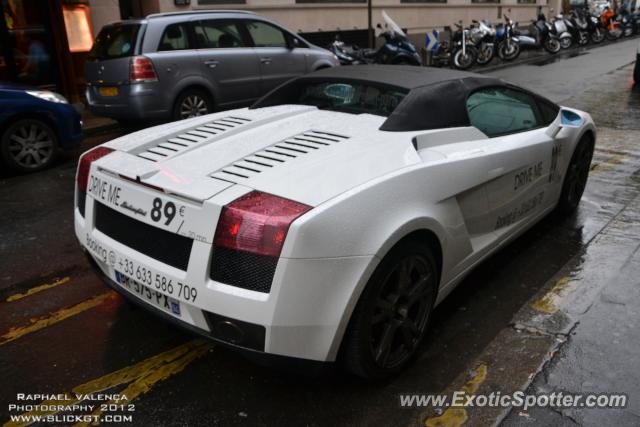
[
  {"x": 228, "y": 60},
  {"x": 279, "y": 59},
  {"x": 520, "y": 155},
  {"x": 175, "y": 59}
]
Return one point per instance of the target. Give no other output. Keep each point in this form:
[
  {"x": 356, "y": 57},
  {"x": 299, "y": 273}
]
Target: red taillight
[
  {"x": 141, "y": 70},
  {"x": 85, "y": 164},
  {"x": 257, "y": 223}
]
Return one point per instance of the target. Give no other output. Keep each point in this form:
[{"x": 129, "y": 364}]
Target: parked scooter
[
  {"x": 541, "y": 36},
  {"x": 397, "y": 48},
  {"x": 594, "y": 27},
  {"x": 561, "y": 30},
  {"x": 578, "y": 28},
  {"x": 343, "y": 52}
]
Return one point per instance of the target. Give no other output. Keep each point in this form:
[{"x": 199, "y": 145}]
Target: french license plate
[
  {"x": 158, "y": 299},
  {"x": 108, "y": 91}
]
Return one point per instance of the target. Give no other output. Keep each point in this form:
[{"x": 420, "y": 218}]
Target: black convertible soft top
[{"x": 436, "y": 97}]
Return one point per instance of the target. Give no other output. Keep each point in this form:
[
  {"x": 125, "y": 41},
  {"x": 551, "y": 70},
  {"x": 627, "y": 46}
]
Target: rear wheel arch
[
  {"x": 203, "y": 89},
  {"x": 43, "y": 117},
  {"x": 425, "y": 238}
]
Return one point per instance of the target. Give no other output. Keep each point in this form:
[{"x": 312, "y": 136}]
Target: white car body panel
[{"x": 368, "y": 190}]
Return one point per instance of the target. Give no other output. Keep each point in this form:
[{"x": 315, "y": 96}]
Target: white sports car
[{"x": 326, "y": 221}]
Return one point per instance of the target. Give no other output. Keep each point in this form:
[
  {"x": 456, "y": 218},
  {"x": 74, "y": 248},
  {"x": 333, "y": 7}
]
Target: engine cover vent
[
  {"x": 277, "y": 154},
  {"x": 184, "y": 141}
]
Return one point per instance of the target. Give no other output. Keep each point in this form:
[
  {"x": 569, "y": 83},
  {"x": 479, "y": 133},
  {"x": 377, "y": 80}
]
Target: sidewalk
[{"x": 601, "y": 354}]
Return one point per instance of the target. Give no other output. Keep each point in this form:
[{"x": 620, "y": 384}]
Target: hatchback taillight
[
  {"x": 141, "y": 69},
  {"x": 257, "y": 223},
  {"x": 82, "y": 177}
]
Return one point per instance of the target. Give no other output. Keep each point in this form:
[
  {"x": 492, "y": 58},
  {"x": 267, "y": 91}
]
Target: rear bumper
[
  {"x": 143, "y": 101},
  {"x": 303, "y": 317}
]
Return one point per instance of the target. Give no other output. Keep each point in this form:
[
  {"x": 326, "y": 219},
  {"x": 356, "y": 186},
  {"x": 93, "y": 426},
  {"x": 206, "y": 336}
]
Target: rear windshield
[
  {"x": 343, "y": 96},
  {"x": 116, "y": 41}
]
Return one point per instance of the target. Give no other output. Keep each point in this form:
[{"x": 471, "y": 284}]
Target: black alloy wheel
[
  {"x": 576, "y": 177},
  {"x": 393, "y": 312}
]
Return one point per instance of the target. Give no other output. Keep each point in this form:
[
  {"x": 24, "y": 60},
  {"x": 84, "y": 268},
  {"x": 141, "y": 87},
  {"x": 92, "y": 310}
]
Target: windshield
[
  {"x": 115, "y": 41},
  {"x": 343, "y": 96},
  {"x": 390, "y": 22},
  {"x": 337, "y": 95}
]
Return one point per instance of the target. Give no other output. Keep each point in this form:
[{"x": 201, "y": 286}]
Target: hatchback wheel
[
  {"x": 29, "y": 145},
  {"x": 192, "y": 103},
  {"x": 393, "y": 312}
]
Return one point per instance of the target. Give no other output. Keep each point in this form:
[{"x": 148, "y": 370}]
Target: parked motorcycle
[
  {"x": 627, "y": 24},
  {"x": 611, "y": 25},
  {"x": 458, "y": 51},
  {"x": 508, "y": 42},
  {"x": 483, "y": 37},
  {"x": 397, "y": 49}
]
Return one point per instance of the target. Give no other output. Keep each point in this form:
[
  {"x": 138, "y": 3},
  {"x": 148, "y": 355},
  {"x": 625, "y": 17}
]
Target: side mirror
[{"x": 566, "y": 118}]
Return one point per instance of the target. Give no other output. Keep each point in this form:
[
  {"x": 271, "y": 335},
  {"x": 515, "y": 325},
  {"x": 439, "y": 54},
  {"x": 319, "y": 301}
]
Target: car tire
[
  {"x": 392, "y": 314},
  {"x": 575, "y": 179},
  {"x": 28, "y": 145},
  {"x": 192, "y": 103},
  {"x": 636, "y": 72}
]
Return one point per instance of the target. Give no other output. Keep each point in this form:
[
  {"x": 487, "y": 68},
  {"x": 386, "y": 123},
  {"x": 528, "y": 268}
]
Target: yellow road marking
[
  {"x": 455, "y": 416},
  {"x": 609, "y": 164},
  {"x": 39, "y": 323},
  {"x": 40, "y": 288},
  {"x": 140, "y": 377},
  {"x": 550, "y": 302}
]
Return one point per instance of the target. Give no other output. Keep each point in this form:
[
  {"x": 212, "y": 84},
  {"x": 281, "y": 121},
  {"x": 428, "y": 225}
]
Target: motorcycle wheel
[
  {"x": 464, "y": 62},
  {"x": 552, "y": 45},
  {"x": 509, "y": 52},
  {"x": 566, "y": 42},
  {"x": 613, "y": 35},
  {"x": 485, "y": 55},
  {"x": 584, "y": 38},
  {"x": 597, "y": 36}
]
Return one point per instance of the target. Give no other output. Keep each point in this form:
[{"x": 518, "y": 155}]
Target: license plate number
[
  {"x": 108, "y": 91},
  {"x": 158, "y": 299}
]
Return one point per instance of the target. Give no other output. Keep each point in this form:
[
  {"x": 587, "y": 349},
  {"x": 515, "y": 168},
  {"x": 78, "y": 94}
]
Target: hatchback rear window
[{"x": 115, "y": 41}]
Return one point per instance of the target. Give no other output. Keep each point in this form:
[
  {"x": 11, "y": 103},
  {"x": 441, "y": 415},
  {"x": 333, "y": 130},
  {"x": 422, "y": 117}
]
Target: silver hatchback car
[{"x": 178, "y": 65}]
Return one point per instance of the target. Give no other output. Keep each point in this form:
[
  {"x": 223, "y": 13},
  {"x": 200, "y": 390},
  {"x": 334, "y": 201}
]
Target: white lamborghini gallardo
[{"x": 326, "y": 221}]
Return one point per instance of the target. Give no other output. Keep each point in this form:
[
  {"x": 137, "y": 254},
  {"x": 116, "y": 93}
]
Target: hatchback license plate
[{"x": 108, "y": 91}]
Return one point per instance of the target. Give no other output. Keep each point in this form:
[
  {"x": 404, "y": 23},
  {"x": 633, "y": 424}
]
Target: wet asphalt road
[{"x": 63, "y": 330}]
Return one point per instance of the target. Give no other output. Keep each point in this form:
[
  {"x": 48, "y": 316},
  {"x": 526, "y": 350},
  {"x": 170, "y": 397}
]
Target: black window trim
[{"x": 536, "y": 108}]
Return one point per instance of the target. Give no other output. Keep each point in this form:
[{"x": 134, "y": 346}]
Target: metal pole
[{"x": 369, "y": 24}]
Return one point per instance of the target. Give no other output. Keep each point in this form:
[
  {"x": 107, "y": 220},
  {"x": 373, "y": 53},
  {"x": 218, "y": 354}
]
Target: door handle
[
  {"x": 212, "y": 63},
  {"x": 265, "y": 60}
]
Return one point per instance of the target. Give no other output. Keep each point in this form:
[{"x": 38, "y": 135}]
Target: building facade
[
  {"x": 315, "y": 17},
  {"x": 44, "y": 43}
]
